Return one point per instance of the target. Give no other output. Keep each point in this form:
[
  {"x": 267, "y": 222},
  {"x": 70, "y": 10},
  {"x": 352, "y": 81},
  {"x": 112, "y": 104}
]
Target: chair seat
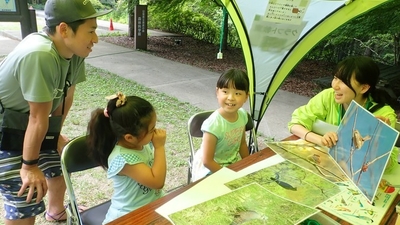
[{"x": 96, "y": 214}]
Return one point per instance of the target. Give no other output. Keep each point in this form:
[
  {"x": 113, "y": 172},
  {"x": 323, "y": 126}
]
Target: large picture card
[{"x": 363, "y": 148}]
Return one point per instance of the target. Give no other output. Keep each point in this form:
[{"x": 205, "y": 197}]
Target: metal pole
[
  {"x": 33, "y": 24},
  {"x": 225, "y": 14}
]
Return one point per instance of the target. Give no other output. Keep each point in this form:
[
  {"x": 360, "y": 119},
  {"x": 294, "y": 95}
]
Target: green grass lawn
[{"x": 172, "y": 116}]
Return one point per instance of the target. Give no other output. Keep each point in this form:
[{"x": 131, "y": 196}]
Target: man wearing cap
[{"x": 38, "y": 78}]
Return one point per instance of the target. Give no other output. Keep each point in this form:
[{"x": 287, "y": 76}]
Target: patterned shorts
[{"x": 10, "y": 183}]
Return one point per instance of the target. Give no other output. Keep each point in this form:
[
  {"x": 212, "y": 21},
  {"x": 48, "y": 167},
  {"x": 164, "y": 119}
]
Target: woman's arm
[{"x": 329, "y": 139}]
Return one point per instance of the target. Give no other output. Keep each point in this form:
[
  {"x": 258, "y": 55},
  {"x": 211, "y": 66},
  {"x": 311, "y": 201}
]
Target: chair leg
[
  {"x": 189, "y": 177},
  {"x": 71, "y": 218}
]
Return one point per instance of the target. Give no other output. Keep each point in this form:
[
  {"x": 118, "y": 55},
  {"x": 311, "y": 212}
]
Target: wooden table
[{"x": 148, "y": 215}]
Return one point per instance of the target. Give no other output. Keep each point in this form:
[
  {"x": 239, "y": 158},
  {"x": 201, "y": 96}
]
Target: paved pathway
[{"x": 186, "y": 83}]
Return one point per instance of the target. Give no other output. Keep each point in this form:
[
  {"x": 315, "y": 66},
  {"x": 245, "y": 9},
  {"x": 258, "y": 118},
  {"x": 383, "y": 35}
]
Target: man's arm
[
  {"x": 36, "y": 130},
  {"x": 31, "y": 175},
  {"x": 68, "y": 103},
  {"x": 63, "y": 140}
]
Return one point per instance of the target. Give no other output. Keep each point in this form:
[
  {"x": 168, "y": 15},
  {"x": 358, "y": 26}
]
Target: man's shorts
[{"x": 10, "y": 183}]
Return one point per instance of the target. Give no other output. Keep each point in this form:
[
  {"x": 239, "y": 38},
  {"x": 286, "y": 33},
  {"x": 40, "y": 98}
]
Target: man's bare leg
[{"x": 55, "y": 197}]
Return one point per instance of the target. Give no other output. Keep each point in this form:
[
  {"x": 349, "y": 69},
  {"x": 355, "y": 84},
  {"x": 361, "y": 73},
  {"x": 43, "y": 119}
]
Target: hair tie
[
  {"x": 120, "y": 101},
  {"x": 106, "y": 113}
]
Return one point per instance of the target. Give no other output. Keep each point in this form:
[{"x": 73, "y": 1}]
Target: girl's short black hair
[{"x": 236, "y": 78}]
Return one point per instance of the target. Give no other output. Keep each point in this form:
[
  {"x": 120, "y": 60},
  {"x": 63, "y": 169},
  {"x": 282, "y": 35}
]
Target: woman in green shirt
[{"x": 355, "y": 79}]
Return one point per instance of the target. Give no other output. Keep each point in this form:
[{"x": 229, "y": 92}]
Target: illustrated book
[{"x": 363, "y": 148}]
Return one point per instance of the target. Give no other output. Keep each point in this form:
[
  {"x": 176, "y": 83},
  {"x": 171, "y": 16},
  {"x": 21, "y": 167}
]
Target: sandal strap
[{"x": 58, "y": 215}]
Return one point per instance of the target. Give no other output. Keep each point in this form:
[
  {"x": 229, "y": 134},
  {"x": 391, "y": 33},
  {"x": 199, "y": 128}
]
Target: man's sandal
[{"x": 56, "y": 218}]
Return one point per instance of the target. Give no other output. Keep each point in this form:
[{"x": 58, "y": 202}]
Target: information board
[{"x": 8, "y": 6}]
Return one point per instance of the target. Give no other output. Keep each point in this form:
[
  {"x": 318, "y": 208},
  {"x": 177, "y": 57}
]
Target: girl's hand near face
[
  {"x": 329, "y": 139},
  {"x": 159, "y": 137}
]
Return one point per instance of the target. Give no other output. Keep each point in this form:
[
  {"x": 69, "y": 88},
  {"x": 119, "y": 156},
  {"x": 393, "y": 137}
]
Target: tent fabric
[{"x": 276, "y": 34}]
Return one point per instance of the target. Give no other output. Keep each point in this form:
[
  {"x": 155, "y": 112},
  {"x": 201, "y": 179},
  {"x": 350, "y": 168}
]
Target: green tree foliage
[
  {"x": 200, "y": 19},
  {"x": 376, "y": 34}
]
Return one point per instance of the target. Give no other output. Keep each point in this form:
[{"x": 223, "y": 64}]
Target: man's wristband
[{"x": 30, "y": 162}]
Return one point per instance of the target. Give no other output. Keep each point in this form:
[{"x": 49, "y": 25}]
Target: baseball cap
[{"x": 57, "y": 11}]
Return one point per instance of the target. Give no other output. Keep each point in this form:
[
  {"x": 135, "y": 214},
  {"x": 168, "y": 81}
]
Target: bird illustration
[
  {"x": 342, "y": 209},
  {"x": 353, "y": 191},
  {"x": 282, "y": 183},
  {"x": 242, "y": 217},
  {"x": 314, "y": 158},
  {"x": 365, "y": 218},
  {"x": 364, "y": 167},
  {"x": 358, "y": 140},
  {"x": 343, "y": 201}
]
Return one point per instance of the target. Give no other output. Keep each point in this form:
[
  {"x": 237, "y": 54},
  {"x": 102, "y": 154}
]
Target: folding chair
[
  {"x": 75, "y": 158},
  {"x": 194, "y": 132}
]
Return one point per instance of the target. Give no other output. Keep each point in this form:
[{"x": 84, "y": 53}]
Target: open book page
[
  {"x": 350, "y": 204},
  {"x": 292, "y": 182},
  {"x": 250, "y": 204},
  {"x": 210, "y": 187},
  {"x": 353, "y": 207},
  {"x": 363, "y": 148},
  {"x": 309, "y": 156}
]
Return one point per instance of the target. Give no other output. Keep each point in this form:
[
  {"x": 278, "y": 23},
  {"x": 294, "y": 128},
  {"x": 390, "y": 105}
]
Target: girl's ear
[
  {"x": 130, "y": 138},
  {"x": 365, "y": 88}
]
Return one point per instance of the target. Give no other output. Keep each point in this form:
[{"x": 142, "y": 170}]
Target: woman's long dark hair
[
  {"x": 365, "y": 71},
  {"x": 106, "y": 127}
]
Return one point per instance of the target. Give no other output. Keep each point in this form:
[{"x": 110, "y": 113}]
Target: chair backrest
[
  {"x": 194, "y": 131},
  {"x": 195, "y": 122},
  {"x": 74, "y": 158}
]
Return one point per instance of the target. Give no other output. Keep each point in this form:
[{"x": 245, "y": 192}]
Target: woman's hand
[
  {"x": 384, "y": 119},
  {"x": 329, "y": 139}
]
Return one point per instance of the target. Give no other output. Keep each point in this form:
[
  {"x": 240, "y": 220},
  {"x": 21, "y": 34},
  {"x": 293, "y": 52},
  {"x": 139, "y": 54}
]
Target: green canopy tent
[{"x": 276, "y": 34}]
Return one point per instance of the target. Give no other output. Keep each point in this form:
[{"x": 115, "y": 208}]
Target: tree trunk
[
  {"x": 131, "y": 26},
  {"x": 224, "y": 43},
  {"x": 396, "y": 45},
  {"x": 131, "y": 19}
]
